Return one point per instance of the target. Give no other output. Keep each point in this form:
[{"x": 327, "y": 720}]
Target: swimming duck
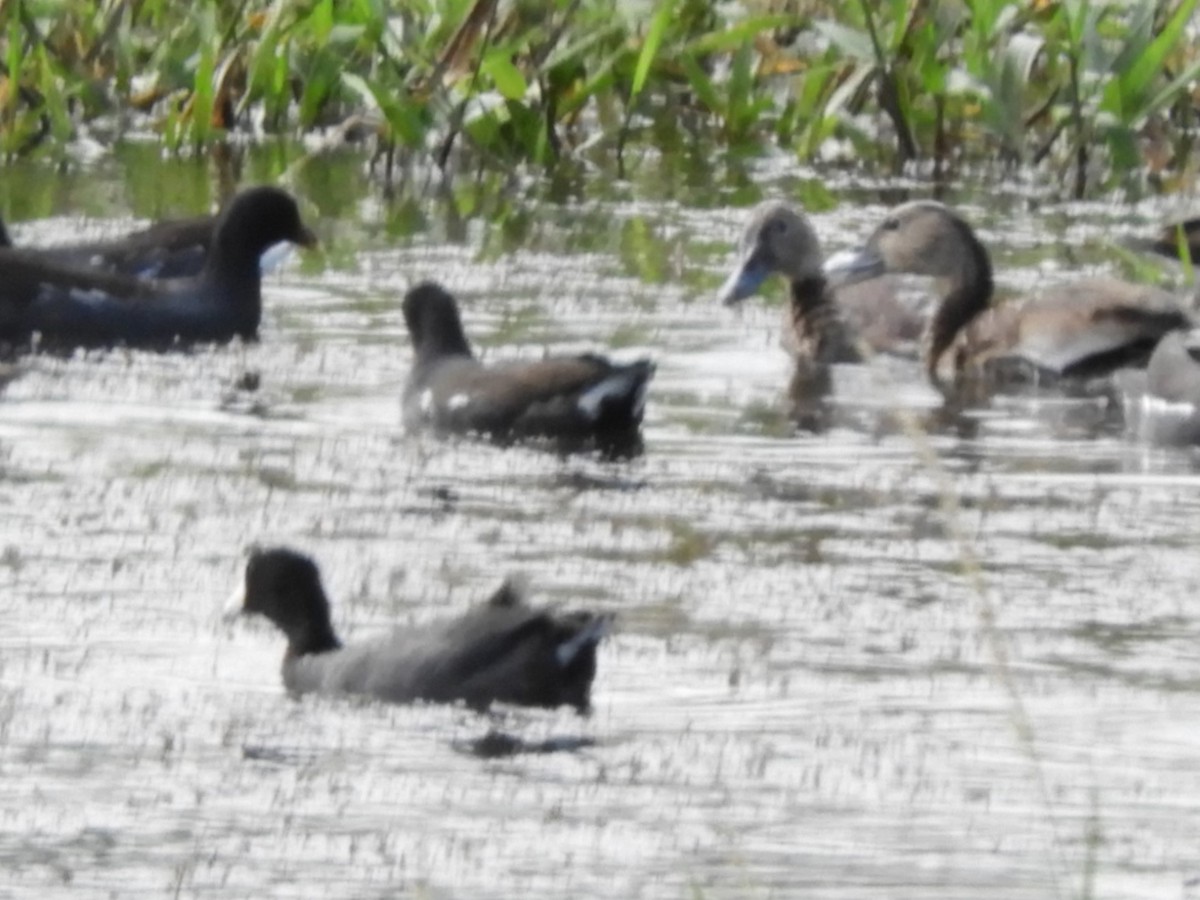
[
  {"x": 1083, "y": 329},
  {"x": 823, "y": 325},
  {"x": 503, "y": 651},
  {"x": 565, "y": 398},
  {"x": 73, "y": 306},
  {"x": 175, "y": 248},
  {"x": 778, "y": 238}
]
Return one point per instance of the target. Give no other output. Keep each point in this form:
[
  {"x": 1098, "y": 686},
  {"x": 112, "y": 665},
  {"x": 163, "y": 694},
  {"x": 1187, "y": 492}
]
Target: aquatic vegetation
[{"x": 1096, "y": 91}]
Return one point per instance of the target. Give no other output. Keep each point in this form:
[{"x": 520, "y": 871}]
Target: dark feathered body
[
  {"x": 819, "y": 333},
  {"x": 502, "y": 651},
  {"x": 572, "y": 397},
  {"x": 72, "y": 305},
  {"x": 171, "y": 249}
]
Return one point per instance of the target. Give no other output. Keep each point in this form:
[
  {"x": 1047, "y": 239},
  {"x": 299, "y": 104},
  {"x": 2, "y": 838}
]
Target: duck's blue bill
[{"x": 744, "y": 281}]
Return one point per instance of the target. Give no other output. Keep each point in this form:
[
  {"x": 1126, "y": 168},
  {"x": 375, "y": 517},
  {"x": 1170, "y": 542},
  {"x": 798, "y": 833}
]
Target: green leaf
[
  {"x": 701, "y": 84},
  {"x": 578, "y": 50},
  {"x": 1174, "y": 89},
  {"x": 345, "y": 34},
  {"x": 737, "y": 35},
  {"x": 654, "y": 38},
  {"x": 404, "y": 117},
  {"x": 1136, "y": 82},
  {"x": 507, "y": 77}
]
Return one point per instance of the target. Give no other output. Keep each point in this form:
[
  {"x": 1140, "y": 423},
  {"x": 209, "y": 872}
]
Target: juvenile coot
[
  {"x": 568, "y": 399},
  {"x": 501, "y": 651}
]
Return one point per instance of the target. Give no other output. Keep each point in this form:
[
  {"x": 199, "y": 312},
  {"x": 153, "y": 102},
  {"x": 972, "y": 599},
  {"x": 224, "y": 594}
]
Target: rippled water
[{"x": 812, "y": 692}]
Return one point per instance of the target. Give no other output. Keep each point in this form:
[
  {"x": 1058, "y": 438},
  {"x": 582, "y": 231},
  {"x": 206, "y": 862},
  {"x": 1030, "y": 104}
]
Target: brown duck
[
  {"x": 823, "y": 325},
  {"x": 1080, "y": 330}
]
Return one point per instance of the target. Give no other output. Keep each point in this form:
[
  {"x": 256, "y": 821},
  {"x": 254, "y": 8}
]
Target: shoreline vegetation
[{"x": 1098, "y": 95}]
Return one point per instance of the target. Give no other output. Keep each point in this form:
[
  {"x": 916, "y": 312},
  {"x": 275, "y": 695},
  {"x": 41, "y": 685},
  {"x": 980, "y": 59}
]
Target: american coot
[
  {"x": 72, "y": 306},
  {"x": 1080, "y": 330},
  {"x": 823, "y": 325},
  {"x": 174, "y": 248},
  {"x": 570, "y": 399},
  {"x": 502, "y": 651}
]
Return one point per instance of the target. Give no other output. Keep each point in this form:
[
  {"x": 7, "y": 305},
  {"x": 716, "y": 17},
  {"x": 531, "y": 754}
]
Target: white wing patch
[
  {"x": 639, "y": 400},
  {"x": 566, "y": 652},
  {"x": 615, "y": 385},
  {"x": 426, "y": 401},
  {"x": 458, "y": 401}
]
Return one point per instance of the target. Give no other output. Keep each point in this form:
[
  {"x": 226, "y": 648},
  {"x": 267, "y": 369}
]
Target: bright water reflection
[{"x": 803, "y": 698}]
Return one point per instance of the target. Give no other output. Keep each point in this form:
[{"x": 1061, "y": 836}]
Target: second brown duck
[{"x": 1080, "y": 330}]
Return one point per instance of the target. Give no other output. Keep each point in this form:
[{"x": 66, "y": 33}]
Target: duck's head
[
  {"x": 258, "y": 218},
  {"x": 777, "y": 239},
  {"x": 285, "y": 587},
  {"x": 434, "y": 324},
  {"x": 923, "y": 237}
]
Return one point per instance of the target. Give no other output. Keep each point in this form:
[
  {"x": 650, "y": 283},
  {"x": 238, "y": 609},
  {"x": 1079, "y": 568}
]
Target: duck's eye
[
  {"x": 776, "y": 227},
  {"x": 891, "y": 223}
]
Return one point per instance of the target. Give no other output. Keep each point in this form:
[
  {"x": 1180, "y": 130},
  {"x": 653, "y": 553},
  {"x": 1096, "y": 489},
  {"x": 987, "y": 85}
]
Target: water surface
[{"x": 810, "y": 693}]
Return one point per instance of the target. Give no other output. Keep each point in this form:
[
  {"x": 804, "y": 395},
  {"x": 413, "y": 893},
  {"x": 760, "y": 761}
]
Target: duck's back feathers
[
  {"x": 508, "y": 653},
  {"x": 171, "y": 249},
  {"x": 1094, "y": 326}
]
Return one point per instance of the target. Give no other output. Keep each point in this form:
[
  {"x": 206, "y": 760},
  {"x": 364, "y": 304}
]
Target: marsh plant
[{"x": 1097, "y": 92}]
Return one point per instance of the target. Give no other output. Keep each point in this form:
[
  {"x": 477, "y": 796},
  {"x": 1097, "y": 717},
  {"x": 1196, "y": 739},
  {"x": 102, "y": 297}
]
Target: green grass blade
[
  {"x": 1173, "y": 90},
  {"x": 654, "y": 38},
  {"x": 1136, "y": 81},
  {"x": 737, "y": 35},
  {"x": 701, "y": 84}
]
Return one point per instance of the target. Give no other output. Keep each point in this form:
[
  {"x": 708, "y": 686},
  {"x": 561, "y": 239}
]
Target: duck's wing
[
  {"x": 71, "y": 306},
  {"x": 509, "y": 653},
  {"x": 175, "y": 248},
  {"x": 1094, "y": 326},
  {"x": 501, "y": 651},
  {"x": 36, "y": 293}
]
